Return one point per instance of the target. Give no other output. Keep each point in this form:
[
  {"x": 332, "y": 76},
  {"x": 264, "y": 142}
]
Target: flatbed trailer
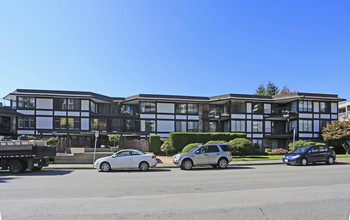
[{"x": 20, "y": 156}]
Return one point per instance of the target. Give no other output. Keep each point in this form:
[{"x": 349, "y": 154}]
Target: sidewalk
[{"x": 166, "y": 162}]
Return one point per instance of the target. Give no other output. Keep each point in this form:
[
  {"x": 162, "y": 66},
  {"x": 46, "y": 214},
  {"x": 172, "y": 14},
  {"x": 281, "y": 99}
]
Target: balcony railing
[{"x": 215, "y": 113}]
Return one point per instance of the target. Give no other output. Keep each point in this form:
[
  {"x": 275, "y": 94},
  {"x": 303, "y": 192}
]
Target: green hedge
[
  {"x": 180, "y": 139},
  {"x": 154, "y": 144}
]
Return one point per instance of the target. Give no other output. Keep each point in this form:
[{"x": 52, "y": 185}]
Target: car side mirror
[
  {"x": 309, "y": 152},
  {"x": 114, "y": 156},
  {"x": 197, "y": 152}
]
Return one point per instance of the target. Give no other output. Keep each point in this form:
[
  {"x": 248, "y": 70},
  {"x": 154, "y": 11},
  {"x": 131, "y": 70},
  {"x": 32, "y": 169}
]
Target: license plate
[
  {"x": 285, "y": 160},
  {"x": 36, "y": 164}
]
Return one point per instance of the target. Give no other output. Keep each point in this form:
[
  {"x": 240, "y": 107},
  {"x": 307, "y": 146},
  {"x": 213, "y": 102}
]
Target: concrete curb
[{"x": 168, "y": 165}]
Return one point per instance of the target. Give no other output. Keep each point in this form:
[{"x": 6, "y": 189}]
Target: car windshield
[{"x": 301, "y": 150}]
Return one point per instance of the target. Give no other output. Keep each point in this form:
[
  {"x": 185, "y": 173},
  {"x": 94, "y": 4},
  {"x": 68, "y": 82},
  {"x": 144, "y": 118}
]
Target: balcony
[
  {"x": 282, "y": 114},
  {"x": 215, "y": 114},
  {"x": 278, "y": 134}
]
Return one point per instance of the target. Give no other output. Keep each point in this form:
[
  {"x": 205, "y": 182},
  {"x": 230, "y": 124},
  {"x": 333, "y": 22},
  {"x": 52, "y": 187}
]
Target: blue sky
[{"x": 195, "y": 47}]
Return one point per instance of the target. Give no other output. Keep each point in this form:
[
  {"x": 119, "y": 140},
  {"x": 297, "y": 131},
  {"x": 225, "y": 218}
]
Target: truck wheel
[{"x": 15, "y": 166}]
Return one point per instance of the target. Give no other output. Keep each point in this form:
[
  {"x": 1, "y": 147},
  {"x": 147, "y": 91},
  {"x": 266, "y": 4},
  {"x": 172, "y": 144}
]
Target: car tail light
[
  {"x": 154, "y": 157},
  {"x": 333, "y": 151},
  {"x": 230, "y": 153}
]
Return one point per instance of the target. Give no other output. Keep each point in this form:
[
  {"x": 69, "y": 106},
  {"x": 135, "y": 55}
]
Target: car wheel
[
  {"x": 303, "y": 162},
  {"x": 186, "y": 165},
  {"x": 15, "y": 166},
  {"x": 330, "y": 160},
  {"x": 222, "y": 163},
  {"x": 143, "y": 166},
  {"x": 105, "y": 167}
]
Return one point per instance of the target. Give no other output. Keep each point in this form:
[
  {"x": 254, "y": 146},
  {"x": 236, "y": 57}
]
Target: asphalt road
[{"x": 251, "y": 192}]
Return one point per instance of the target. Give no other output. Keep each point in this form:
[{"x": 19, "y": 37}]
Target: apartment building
[
  {"x": 344, "y": 111},
  {"x": 267, "y": 120}
]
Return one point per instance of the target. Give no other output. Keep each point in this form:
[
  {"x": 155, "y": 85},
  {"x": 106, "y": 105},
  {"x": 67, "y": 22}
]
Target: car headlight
[
  {"x": 296, "y": 156},
  {"x": 284, "y": 156}
]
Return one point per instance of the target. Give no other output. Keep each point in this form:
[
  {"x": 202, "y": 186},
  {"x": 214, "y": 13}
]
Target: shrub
[
  {"x": 189, "y": 147},
  {"x": 279, "y": 151},
  {"x": 166, "y": 147},
  {"x": 241, "y": 146},
  {"x": 320, "y": 143},
  {"x": 309, "y": 143},
  {"x": 216, "y": 142},
  {"x": 267, "y": 150},
  {"x": 114, "y": 138},
  {"x": 52, "y": 141},
  {"x": 180, "y": 139},
  {"x": 30, "y": 137},
  {"x": 298, "y": 144},
  {"x": 154, "y": 144}
]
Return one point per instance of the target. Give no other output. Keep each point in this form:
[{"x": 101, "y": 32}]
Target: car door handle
[{"x": 217, "y": 154}]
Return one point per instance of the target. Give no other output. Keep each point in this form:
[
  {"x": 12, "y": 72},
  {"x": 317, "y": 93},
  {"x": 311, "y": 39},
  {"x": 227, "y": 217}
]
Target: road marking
[
  {"x": 274, "y": 181},
  {"x": 0, "y": 215}
]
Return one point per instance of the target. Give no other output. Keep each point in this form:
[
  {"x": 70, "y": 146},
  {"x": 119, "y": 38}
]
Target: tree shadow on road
[
  {"x": 218, "y": 169},
  {"x": 154, "y": 170},
  {"x": 37, "y": 173},
  {"x": 4, "y": 180}
]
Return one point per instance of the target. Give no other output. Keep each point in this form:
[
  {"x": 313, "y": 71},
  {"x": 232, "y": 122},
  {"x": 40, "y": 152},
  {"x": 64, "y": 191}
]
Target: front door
[
  {"x": 213, "y": 154},
  {"x": 202, "y": 156},
  {"x": 323, "y": 153},
  {"x": 122, "y": 160}
]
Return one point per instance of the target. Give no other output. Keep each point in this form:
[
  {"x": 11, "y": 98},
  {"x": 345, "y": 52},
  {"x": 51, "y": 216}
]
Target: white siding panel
[
  {"x": 334, "y": 116},
  {"x": 316, "y": 107},
  {"x": 60, "y": 113},
  {"x": 238, "y": 116},
  {"x": 165, "y": 116},
  {"x": 249, "y": 126},
  {"x": 184, "y": 117},
  {"x": 44, "y": 122},
  {"x": 165, "y": 107},
  {"x": 193, "y": 117},
  {"x": 85, "y": 124},
  {"x": 25, "y": 132},
  {"x": 304, "y": 115},
  {"x": 316, "y": 135},
  {"x": 267, "y": 108},
  {"x": 334, "y": 107},
  {"x": 249, "y": 136},
  {"x": 325, "y": 116},
  {"x": 249, "y": 107},
  {"x": 164, "y": 135},
  {"x": 316, "y": 126},
  {"x": 249, "y": 116},
  {"x": 165, "y": 126},
  {"x": 44, "y": 103},
  {"x": 149, "y": 116},
  {"x": 85, "y": 114},
  {"x": 316, "y": 115},
  {"x": 257, "y": 135},
  {"x": 258, "y": 116},
  {"x": 305, "y": 135},
  {"x": 77, "y": 114},
  {"x": 44, "y": 112},
  {"x": 85, "y": 105},
  {"x": 26, "y": 112}
]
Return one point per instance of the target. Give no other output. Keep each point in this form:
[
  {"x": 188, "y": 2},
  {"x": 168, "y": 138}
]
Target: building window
[
  {"x": 26, "y": 102},
  {"x": 227, "y": 126},
  {"x": 192, "y": 109},
  {"x": 26, "y": 122},
  {"x": 181, "y": 126},
  {"x": 324, "y": 123},
  {"x": 73, "y": 104},
  {"x": 268, "y": 126},
  {"x": 305, "y": 106},
  {"x": 131, "y": 126},
  {"x": 325, "y": 107},
  {"x": 258, "y": 108},
  {"x": 147, "y": 107},
  {"x": 212, "y": 126},
  {"x": 116, "y": 125},
  {"x": 73, "y": 123},
  {"x": 237, "y": 107},
  {"x": 103, "y": 109},
  {"x": 148, "y": 125},
  {"x": 267, "y": 108},
  {"x": 60, "y": 104},
  {"x": 181, "y": 108},
  {"x": 305, "y": 125},
  {"x": 193, "y": 126},
  {"x": 238, "y": 125},
  {"x": 99, "y": 124},
  {"x": 92, "y": 107},
  {"x": 131, "y": 110},
  {"x": 257, "y": 126}
]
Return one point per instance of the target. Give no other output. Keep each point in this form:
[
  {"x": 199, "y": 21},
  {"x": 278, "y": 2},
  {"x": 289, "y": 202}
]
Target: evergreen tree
[
  {"x": 271, "y": 89},
  {"x": 261, "y": 90}
]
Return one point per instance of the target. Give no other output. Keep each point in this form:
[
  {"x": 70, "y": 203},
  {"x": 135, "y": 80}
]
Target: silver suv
[{"x": 212, "y": 154}]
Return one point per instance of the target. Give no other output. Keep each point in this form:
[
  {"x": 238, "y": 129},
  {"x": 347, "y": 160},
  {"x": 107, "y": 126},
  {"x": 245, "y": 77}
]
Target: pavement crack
[{"x": 263, "y": 213}]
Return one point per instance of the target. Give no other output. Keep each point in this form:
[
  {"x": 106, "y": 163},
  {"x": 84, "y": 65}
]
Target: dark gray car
[{"x": 216, "y": 155}]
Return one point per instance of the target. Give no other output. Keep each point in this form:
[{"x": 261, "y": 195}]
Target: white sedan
[{"x": 129, "y": 158}]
